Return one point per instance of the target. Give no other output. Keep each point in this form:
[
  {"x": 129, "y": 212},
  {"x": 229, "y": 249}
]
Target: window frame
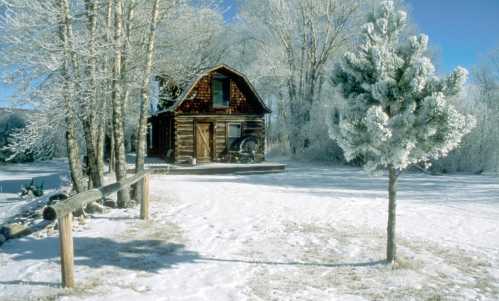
[{"x": 229, "y": 137}]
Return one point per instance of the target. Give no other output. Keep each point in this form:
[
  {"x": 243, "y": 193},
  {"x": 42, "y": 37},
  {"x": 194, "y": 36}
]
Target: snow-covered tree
[
  {"x": 397, "y": 111},
  {"x": 480, "y": 149}
]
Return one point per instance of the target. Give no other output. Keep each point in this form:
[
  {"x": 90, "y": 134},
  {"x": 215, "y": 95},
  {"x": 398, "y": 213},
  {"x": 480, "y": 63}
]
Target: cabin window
[
  {"x": 221, "y": 92},
  {"x": 234, "y": 134}
]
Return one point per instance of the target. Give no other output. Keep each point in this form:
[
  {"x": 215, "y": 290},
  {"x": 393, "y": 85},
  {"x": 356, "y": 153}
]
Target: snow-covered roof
[{"x": 192, "y": 85}]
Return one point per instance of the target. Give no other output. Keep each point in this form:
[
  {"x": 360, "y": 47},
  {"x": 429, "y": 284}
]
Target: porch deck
[{"x": 159, "y": 166}]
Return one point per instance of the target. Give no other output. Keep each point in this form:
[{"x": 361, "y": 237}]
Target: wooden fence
[{"x": 63, "y": 211}]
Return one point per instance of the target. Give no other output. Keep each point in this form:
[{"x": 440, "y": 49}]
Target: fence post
[
  {"x": 144, "y": 204},
  {"x": 66, "y": 250}
]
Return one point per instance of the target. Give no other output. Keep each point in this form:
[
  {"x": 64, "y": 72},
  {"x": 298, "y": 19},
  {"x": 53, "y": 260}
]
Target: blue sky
[{"x": 463, "y": 31}]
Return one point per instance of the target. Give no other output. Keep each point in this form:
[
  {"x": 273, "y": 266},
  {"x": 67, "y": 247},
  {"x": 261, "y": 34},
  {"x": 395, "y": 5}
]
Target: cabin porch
[{"x": 160, "y": 166}]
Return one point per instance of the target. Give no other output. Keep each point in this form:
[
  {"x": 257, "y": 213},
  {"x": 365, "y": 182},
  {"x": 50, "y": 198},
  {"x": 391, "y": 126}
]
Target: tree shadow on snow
[
  {"x": 349, "y": 182},
  {"x": 22, "y": 282},
  {"x": 292, "y": 263},
  {"x": 139, "y": 255}
]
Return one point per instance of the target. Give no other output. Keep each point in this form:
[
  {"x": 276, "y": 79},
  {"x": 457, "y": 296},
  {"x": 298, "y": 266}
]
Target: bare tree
[
  {"x": 117, "y": 103},
  {"x": 144, "y": 108},
  {"x": 90, "y": 102},
  {"x": 69, "y": 65},
  {"x": 302, "y": 37}
]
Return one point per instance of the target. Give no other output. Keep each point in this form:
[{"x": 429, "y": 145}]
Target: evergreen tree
[{"x": 397, "y": 111}]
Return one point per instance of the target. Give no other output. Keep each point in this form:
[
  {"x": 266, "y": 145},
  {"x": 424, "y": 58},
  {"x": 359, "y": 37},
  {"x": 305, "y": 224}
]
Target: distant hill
[{"x": 7, "y": 111}]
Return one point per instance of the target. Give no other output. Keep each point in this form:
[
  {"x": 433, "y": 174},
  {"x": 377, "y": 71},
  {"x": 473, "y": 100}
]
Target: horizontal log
[
  {"x": 185, "y": 132},
  {"x": 185, "y": 137},
  {"x": 185, "y": 129},
  {"x": 184, "y": 148},
  {"x": 80, "y": 200},
  {"x": 185, "y": 153},
  {"x": 184, "y": 124},
  {"x": 184, "y": 143}
]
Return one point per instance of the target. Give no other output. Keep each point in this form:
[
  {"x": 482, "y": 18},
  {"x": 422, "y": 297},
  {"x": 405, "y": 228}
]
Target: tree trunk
[
  {"x": 73, "y": 149},
  {"x": 89, "y": 118},
  {"x": 126, "y": 32},
  {"x": 73, "y": 146},
  {"x": 116, "y": 96},
  {"x": 144, "y": 107},
  {"x": 108, "y": 86},
  {"x": 112, "y": 152},
  {"x": 101, "y": 141},
  {"x": 391, "y": 247}
]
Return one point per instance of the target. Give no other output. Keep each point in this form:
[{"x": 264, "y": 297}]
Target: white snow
[
  {"x": 52, "y": 174},
  {"x": 316, "y": 232}
]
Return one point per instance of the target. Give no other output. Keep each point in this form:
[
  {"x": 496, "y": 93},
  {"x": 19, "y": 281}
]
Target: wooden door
[{"x": 203, "y": 142}]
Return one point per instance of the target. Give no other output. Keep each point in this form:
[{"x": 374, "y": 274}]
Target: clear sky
[{"x": 463, "y": 31}]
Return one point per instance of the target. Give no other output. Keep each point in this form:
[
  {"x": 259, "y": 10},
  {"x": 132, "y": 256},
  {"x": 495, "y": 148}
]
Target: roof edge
[{"x": 208, "y": 71}]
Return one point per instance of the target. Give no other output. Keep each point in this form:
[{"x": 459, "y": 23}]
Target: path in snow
[{"x": 314, "y": 233}]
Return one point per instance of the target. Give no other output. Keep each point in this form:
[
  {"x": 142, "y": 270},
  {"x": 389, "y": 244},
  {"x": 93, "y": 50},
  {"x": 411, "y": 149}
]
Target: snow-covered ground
[
  {"x": 313, "y": 233},
  {"x": 52, "y": 174}
]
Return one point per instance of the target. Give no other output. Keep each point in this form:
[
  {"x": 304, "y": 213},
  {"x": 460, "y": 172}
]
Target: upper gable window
[{"x": 221, "y": 92}]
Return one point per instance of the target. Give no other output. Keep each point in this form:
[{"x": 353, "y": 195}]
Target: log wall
[{"x": 185, "y": 133}]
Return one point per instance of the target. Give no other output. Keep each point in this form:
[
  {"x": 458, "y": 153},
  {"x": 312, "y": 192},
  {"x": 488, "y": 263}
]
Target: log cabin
[{"x": 218, "y": 117}]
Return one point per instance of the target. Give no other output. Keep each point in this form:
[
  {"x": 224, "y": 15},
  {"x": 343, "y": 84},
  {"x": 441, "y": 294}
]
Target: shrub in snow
[
  {"x": 2, "y": 239},
  {"x": 32, "y": 189},
  {"x": 397, "y": 111},
  {"x": 10, "y": 122}
]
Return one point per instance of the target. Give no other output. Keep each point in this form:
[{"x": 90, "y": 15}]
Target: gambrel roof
[{"x": 243, "y": 79}]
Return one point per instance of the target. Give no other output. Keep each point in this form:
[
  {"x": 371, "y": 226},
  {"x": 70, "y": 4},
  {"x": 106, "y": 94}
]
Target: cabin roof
[{"x": 192, "y": 85}]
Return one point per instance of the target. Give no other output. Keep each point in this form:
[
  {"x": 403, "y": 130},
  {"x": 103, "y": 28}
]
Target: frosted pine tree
[{"x": 397, "y": 111}]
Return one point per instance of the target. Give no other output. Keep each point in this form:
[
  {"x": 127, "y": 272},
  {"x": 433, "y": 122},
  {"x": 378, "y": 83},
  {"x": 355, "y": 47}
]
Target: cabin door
[{"x": 204, "y": 137}]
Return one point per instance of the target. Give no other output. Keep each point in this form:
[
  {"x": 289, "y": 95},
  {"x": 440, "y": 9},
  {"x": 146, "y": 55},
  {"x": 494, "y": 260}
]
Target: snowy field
[
  {"x": 313, "y": 233},
  {"x": 52, "y": 174}
]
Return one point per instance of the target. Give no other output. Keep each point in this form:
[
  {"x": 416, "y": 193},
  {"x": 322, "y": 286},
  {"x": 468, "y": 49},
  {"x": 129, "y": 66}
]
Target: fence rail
[{"x": 63, "y": 211}]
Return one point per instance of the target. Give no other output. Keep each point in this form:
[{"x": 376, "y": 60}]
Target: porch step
[
  {"x": 223, "y": 169},
  {"x": 258, "y": 172}
]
